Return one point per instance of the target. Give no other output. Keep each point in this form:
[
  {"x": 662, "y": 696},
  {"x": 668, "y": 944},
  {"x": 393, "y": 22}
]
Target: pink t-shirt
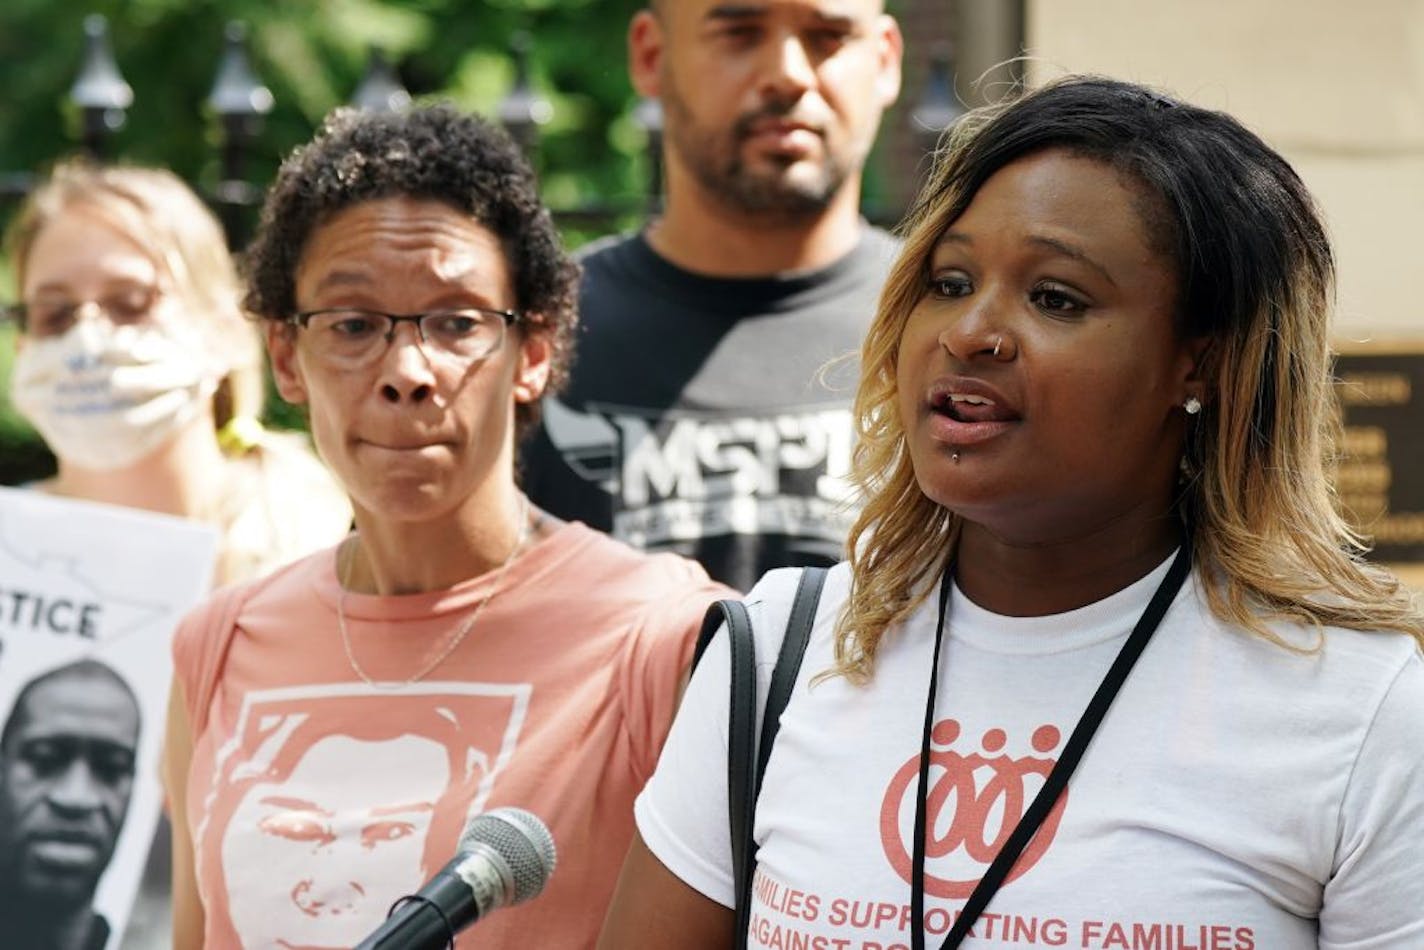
[{"x": 315, "y": 800}]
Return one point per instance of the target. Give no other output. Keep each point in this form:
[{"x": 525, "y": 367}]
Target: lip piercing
[
  {"x": 997, "y": 345},
  {"x": 955, "y": 456}
]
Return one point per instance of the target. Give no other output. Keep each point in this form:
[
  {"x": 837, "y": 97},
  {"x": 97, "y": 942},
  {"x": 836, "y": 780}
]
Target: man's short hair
[{"x": 87, "y": 668}]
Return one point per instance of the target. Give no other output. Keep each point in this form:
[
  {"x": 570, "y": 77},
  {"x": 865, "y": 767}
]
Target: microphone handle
[{"x": 417, "y": 924}]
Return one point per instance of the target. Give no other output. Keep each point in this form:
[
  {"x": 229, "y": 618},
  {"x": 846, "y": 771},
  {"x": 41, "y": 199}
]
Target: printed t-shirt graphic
[
  {"x": 679, "y": 477},
  {"x": 974, "y": 800},
  {"x": 293, "y": 821},
  {"x": 557, "y": 701},
  {"x": 710, "y": 416}
]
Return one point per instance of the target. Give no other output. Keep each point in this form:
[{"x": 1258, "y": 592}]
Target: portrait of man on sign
[{"x": 67, "y": 754}]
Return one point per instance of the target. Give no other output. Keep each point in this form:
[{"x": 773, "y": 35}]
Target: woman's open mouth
[{"x": 963, "y": 418}]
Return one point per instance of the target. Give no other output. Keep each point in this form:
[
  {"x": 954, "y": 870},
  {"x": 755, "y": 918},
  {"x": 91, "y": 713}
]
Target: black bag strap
[
  {"x": 741, "y": 738},
  {"x": 788, "y": 662},
  {"x": 746, "y": 758},
  {"x": 712, "y": 621}
]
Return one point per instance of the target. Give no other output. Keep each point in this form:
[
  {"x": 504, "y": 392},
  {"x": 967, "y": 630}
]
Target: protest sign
[{"x": 89, "y": 597}]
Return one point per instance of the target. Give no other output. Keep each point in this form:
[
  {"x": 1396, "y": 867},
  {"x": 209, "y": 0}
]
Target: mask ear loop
[{"x": 240, "y": 434}]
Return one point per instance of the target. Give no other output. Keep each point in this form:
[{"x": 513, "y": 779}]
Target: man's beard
[{"x": 715, "y": 159}]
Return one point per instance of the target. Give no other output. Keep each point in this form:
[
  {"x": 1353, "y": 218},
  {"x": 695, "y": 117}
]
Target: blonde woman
[
  {"x": 1095, "y": 410},
  {"x": 138, "y": 368},
  {"x": 140, "y": 371}
]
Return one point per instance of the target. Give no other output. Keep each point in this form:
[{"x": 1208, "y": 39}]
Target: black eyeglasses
[{"x": 354, "y": 337}]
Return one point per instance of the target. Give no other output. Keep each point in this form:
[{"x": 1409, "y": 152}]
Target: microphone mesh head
[{"x": 521, "y": 839}]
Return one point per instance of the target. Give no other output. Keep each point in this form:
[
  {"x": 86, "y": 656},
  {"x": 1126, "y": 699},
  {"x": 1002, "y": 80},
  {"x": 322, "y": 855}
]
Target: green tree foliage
[{"x": 312, "y": 54}]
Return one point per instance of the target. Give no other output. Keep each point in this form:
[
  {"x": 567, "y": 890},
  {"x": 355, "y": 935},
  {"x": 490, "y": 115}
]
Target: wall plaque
[{"x": 1381, "y": 474}]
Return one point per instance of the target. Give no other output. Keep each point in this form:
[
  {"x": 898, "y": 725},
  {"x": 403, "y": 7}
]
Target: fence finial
[
  {"x": 523, "y": 110},
  {"x": 240, "y": 100},
  {"x": 99, "y": 91},
  {"x": 380, "y": 89}
]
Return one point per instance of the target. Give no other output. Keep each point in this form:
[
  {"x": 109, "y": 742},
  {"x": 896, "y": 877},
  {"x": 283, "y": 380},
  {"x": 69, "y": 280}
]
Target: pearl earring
[{"x": 1192, "y": 405}]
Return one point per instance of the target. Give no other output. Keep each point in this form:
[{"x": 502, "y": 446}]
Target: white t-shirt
[{"x": 1237, "y": 796}]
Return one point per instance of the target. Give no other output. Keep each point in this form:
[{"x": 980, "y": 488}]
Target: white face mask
[{"x": 104, "y": 397}]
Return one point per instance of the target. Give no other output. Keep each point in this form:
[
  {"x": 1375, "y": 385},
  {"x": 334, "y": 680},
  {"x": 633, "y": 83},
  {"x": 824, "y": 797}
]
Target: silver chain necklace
[{"x": 455, "y": 641}]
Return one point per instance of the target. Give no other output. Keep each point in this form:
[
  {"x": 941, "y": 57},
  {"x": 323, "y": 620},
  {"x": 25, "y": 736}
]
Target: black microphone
[{"x": 505, "y": 856}]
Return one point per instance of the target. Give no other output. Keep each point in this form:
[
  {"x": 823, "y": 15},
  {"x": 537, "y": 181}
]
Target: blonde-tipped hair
[
  {"x": 153, "y": 208},
  {"x": 1256, "y": 279}
]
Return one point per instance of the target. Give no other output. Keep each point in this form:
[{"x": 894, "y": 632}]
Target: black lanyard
[{"x": 1057, "y": 779}]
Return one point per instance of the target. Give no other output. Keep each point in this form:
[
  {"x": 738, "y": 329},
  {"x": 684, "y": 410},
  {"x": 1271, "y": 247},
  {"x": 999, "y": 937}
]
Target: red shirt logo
[{"x": 973, "y": 803}]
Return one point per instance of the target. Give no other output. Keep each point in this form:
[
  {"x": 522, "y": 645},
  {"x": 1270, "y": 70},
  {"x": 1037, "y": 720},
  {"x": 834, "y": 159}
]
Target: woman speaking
[{"x": 1094, "y": 412}]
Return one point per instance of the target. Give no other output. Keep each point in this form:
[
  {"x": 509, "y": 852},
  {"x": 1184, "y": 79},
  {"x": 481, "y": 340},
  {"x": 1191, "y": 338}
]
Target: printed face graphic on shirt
[
  {"x": 323, "y": 851},
  {"x": 974, "y": 800},
  {"x": 343, "y": 801}
]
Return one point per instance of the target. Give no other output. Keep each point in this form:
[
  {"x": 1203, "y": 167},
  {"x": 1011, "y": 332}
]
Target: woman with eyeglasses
[
  {"x": 461, "y": 650},
  {"x": 137, "y": 367}
]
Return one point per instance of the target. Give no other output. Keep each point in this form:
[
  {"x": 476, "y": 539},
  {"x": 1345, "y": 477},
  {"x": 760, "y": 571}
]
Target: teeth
[{"x": 972, "y": 400}]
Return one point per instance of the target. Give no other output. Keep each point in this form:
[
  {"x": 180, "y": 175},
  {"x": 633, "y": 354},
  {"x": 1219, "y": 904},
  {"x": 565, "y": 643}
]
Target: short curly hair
[{"x": 435, "y": 153}]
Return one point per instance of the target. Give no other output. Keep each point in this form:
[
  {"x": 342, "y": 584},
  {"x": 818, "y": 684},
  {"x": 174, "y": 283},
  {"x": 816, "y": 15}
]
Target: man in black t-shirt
[{"x": 699, "y": 418}]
